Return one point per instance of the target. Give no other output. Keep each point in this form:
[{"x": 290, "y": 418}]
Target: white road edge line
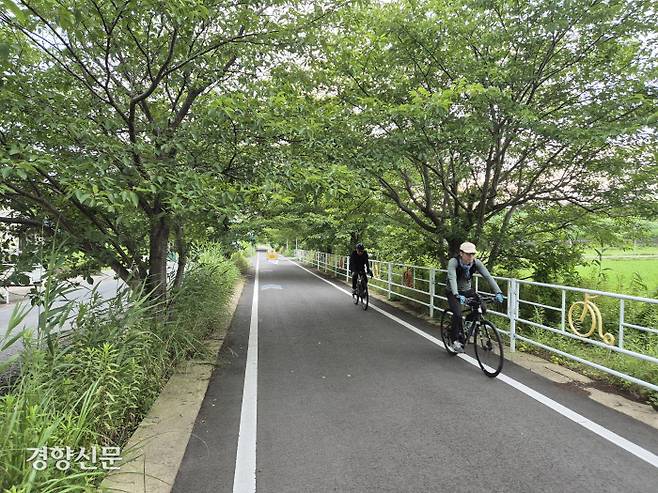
[
  {"x": 244, "y": 480},
  {"x": 596, "y": 428}
]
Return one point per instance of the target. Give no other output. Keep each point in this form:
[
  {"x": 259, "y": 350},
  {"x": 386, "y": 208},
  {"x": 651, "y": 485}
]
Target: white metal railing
[{"x": 426, "y": 286}]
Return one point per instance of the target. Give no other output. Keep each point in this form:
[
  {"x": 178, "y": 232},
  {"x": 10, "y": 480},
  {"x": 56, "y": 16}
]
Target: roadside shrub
[
  {"x": 92, "y": 387},
  {"x": 240, "y": 261}
]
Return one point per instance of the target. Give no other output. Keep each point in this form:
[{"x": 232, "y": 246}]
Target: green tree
[
  {"x": 108, "y": 127},
  {"x": 470, "y": 111}
]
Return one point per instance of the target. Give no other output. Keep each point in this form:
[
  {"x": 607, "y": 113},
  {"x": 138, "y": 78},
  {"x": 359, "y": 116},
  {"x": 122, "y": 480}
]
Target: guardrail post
[
  {"x": 317, "y": 260},
  {"x": 432, "y": 288},
  {"x": 390, "y": 279},
  {"x": 347, "y": 270},
  {"x": 563, "y": 322},
  {"x": 512, "y": 312},
  {"x": 621, "y": 324}
]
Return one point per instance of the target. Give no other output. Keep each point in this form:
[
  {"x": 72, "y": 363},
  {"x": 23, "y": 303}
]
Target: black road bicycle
[
  {"x": 361, "y": 291},
  {"x": 480, "y": 332}
]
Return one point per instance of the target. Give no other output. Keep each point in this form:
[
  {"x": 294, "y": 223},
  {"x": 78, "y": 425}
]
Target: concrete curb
[
  {"x": 153, "y": 454},
  {"x": 551, "y": 371}
]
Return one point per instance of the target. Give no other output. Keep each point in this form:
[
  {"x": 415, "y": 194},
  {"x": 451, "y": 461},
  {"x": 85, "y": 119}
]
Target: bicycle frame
[
  {"x": 361, "y": 282},
  {"x": 361, "y": 293},
  {"x": 487, "y": 343},
  {"x": 473, "y": 316}
]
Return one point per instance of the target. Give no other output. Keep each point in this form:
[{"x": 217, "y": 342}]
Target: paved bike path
[{"x": 352, "y": 401}]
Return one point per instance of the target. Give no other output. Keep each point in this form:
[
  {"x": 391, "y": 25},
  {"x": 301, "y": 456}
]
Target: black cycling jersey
[{"x": 358, "y": 262}]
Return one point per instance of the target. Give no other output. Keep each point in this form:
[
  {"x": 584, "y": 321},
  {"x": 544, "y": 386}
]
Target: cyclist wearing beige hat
[{"x": 461, "y": 269}]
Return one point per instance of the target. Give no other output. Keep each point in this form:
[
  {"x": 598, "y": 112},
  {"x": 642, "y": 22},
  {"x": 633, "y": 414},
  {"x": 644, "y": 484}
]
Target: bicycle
[
  {"x": 578, "y": 318},
  {"x": 486, "y": 338},
  {"x": 361, "y": 291}
]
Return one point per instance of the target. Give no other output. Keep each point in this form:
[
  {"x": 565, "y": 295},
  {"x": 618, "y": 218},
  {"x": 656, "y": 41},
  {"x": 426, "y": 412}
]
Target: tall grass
[{"x": 92, "y": 387}]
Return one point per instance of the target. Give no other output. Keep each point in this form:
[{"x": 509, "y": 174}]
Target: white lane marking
[
  {"x": 244, "y": 480},
  {"x": 596, "y": 428}
]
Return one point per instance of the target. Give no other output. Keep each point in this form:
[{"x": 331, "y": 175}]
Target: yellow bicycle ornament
[
  {"x": 375, "y": 269},
  {"x": 578, "y": 320}
]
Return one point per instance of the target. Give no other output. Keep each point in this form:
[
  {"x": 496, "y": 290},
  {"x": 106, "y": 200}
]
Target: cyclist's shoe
[{"x": 457, "y": 347}]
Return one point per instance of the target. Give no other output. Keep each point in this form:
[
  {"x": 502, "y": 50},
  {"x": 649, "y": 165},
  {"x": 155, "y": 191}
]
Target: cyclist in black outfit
[{"x": 359, "y": 262}]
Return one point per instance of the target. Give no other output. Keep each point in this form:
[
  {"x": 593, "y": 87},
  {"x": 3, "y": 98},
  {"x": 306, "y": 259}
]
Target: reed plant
[{"x": 89, "y": 386}]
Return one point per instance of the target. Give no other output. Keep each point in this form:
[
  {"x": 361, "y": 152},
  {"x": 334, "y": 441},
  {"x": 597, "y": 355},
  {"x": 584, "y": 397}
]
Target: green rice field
[{"x": 619, "y": 272}]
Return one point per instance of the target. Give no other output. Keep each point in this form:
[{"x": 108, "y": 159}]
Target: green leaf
[
  {"x": 66, "y": 18},
  {"x": 81, "y": 196},
  {"x": 5, "y": 49},
  {"x": 20, "y": 14}
]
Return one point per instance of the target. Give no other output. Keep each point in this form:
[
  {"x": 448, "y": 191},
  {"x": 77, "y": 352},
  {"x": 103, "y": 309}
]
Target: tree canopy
[
  {"x": 465, "y": 112},
  {"x": 136, "y": 127},
  {"x": 119, "y": 119}
]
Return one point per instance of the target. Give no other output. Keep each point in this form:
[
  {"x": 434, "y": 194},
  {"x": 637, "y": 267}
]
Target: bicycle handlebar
[{"x": 480, "y": 297}]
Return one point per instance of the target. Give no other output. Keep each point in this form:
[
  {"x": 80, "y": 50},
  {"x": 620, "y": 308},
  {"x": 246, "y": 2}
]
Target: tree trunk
[
  {"x": 497, "y": 246},
  {"x": 132, "y": 280},
  {"x": 181, "y": 248},
  {"x": 453, "y": 247},
  {"x": 159, "y": 242},
  {"x": 354, "y": 239}
]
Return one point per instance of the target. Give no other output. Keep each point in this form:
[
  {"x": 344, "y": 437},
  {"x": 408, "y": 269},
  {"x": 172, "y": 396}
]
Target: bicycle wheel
[
  {"x": 355, "y": 295},
  {"x": 488, "y": 348},
  {"x": 579, "y": 316},
  {"x": 365, "y": 299},
  {"x": 445, "y": 326}
]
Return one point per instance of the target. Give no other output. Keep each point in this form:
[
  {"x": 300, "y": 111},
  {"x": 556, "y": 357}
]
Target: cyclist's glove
[
  {"x": 462, "y": 299},
  {"x": 499, "y": 297},
  {"x": 370, "y": 272}
]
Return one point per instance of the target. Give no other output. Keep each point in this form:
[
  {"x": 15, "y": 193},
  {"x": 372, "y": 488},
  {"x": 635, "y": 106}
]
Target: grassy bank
[{"x": 92, "y": 391}]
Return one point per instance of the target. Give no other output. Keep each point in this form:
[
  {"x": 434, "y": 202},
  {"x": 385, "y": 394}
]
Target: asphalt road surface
[{"x": 313, "y": 394}]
